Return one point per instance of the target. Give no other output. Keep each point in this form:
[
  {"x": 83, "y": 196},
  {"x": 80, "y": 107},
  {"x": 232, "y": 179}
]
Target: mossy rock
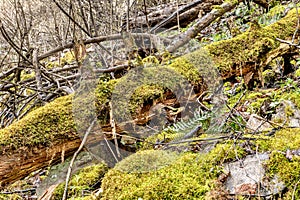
[
  {"x": 82, "y": 181},
  {"x": 194, "y": 176},
  {"x": 189, "y": 176}
]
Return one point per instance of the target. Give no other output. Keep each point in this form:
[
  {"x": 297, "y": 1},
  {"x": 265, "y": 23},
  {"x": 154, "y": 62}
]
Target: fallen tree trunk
[
  {"x": 44, "y": 134},
  {"x": 200, "y": 24},
  {"x": 166, "y": 16},
  {"x": 157, "y": 15},
  {"x": 19, "y": 165},
  {"x": 37, "y": 140}
]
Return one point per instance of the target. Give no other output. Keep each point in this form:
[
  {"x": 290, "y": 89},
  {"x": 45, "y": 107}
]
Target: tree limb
[{"x": 200, "y": 24}]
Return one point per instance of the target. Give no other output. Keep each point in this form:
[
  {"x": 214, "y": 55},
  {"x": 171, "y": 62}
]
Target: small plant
[{"x": 200, "y": 118}]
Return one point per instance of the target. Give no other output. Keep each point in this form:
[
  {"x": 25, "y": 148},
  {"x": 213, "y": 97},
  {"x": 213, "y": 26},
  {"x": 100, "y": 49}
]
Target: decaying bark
[{"x": 18, "y": 165}]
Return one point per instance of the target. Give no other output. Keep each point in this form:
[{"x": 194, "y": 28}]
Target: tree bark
[{"x": 18, "y": 165}]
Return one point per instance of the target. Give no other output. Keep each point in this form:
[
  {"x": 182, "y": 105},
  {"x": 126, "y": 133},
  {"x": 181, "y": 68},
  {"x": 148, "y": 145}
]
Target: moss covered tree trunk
[{"x": 48, "y": 133}]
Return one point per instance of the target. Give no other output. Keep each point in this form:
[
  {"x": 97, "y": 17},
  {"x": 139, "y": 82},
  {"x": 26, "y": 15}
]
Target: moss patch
[
  {"x": 10, "y": 197},
  {"x": 81, "y": 182},
  {"x": 288, "y": 171},
  {"x": 279, "y": 164},
  {"x": 284, "y": 139},
  {"x": 41, "y": 127},
  {"x": 142, "y": 85},
  {"x": 293, "y": 96},
  {"x": 190, "y": 176}
]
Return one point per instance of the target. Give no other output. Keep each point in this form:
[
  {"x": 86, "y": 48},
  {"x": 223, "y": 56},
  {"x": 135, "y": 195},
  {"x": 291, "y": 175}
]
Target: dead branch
[
  {"x": 65, "y": 195},
  {"x": 200, "y": 24},
  {"x": 97, "y": 40}
]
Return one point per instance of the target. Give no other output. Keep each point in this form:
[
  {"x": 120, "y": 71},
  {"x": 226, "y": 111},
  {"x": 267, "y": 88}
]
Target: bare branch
[{"x": 200, "y": 24}]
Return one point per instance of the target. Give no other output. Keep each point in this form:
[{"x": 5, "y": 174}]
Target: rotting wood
[{"x": 19, "y": 165}]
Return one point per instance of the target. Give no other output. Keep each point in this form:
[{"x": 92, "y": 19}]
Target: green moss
[
  {"x": 293, "y": 96},
  {"x": 91, "y": 197},
  {"x": 51, "y": 65},
  {"x": 189, "y": 176},
  {"x": 186, "y": 68},
  {"x": 166, "y": 136},
  {"x": 68, "y": 58},
  {"x": 288, "y": 172},
  {"x": 276, "y": 10},
  {"x": 150, "y": 61},
  {"x": 278, "y": 164},
  {"x": 146, "y": 84},
  {"x": 256, "y": 105},
  {"x": 146, "y": 161},
  {"x": 250, "y": 47},
  {"x": 41, "y": 127},
  {"x": 288, "y": 111},
  {"x": 83, "y": 180},
  {"x": 268, "y": 76},
  {"x": 25, "y": 75},
  {"x": 144, "y": 94},
  {"x": 283, "y": 140}
]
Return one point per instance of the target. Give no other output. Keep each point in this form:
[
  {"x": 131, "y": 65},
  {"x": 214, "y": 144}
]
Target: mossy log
[
  {"x": 249, "y": 51},
  {"x": 45, "y": 134},
  {"x": 37, "y": 140}
]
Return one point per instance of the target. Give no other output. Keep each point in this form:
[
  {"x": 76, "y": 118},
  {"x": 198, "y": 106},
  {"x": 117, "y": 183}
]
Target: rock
[
  {"x": 247, "y": 177},
  {"x": 287, "y": 112},
  {"x": 257, "y": 123}
]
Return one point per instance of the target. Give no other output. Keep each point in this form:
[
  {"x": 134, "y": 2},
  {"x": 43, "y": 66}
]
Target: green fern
[{"x": 200, "y": 118}]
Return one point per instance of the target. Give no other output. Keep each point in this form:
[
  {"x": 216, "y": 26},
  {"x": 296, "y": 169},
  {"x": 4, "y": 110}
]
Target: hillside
[{"x": 208, "y": 110}]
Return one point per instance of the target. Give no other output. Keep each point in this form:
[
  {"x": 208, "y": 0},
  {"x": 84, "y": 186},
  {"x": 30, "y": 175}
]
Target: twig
[
  {"x": 236, "y": 103},
  {"x": 295, "y": 188},
  {"x": 20, "y": 191},
  {"x": 197, "y": 140},
  {"x": 65, "y": 195},
  {"x": 115, "y": 157},
  {"x": 114, "y": 130},
  {"x": 192, "y": 133},
  {"x": 96, "y": 40},
  {"x": 289, "y": 43},
  {"x": 71, "y": 18},
  {"x": 38, "y": 74},
  {"x": 270, "y": 122}
]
